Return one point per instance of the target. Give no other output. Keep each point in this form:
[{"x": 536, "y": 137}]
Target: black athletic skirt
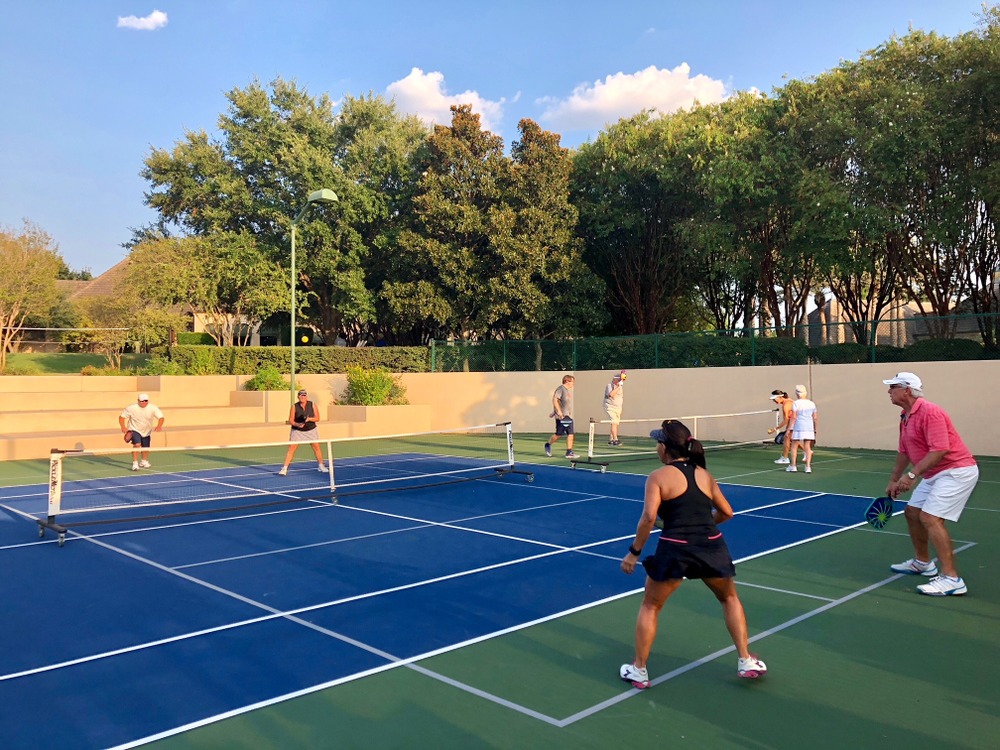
[{"x": 674, "y": 559}]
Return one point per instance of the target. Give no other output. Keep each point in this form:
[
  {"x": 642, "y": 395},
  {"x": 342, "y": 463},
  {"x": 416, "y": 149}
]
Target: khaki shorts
[{"x": 614, "y": 414}]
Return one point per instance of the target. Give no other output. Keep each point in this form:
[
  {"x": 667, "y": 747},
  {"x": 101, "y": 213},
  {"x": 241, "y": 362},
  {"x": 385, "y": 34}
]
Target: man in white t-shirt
[{"x": 138, "y": 421}]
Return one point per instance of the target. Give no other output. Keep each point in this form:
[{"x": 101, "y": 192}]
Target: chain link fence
[{"x": 910, "y": 339}]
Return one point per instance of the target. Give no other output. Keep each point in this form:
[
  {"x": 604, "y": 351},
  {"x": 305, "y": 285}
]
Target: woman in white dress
[{"x": 803, "y": 428}]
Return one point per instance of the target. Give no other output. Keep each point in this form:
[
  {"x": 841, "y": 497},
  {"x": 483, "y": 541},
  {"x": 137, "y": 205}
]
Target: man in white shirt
[{"x": 138, "y": 421}]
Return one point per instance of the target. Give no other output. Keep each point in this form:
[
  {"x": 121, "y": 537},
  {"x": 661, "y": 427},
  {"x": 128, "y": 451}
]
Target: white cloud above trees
[
  {"x": 425, "y": 95},
  {"x": 155, "y": 20},
  {"x": 591, "y": 106}
]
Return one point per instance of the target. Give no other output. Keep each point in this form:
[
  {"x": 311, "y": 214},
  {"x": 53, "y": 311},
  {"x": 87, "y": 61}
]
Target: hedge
[{"x": 247, "y": 360}]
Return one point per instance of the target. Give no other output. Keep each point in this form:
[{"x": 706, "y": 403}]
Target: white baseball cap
[
  {"x": 907, "y": 379},
  {"x": 143, "y": 397}
]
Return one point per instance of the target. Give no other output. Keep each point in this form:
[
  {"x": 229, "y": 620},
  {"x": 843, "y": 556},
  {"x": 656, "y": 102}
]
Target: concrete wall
[{"x": 853, "y": 405}]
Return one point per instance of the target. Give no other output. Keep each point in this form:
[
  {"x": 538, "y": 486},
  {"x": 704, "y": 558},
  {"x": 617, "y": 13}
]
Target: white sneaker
[
  {"x": 943, "y": 586},
  {"x": 751, "y": 668},
  {"x": 809, "y": 469},
  {"x": 144, "y": 464},
  {"x": 135, "y": 466},
  {"x": 914, "y": 567},
  {"x": 638, "y": 677},
  {"x": 283, "y": 471},
  {"x": 782, "y": 460},
  {"x": 321, "y": 467},
  {"x": 790, "y": 468}
]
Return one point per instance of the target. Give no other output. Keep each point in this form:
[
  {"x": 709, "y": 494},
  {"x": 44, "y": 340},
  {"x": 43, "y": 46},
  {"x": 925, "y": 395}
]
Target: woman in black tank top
[{"x": 688, "y": 501}]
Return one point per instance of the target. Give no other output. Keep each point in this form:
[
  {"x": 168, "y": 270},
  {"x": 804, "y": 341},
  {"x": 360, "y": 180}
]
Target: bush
[
  {"x": 377, "y": 387},
  {"x": 841, "y": 354},
  {"x": 29, "y": 368},
  {"x": 248, "y": 360},
  {"x": 267, "y": 379},
  {"x": 186, "y": 337},
  {"x": 943, "y": 350},
  {"x": 159, "y": 365},
  {"x": 93, "y": 370}
]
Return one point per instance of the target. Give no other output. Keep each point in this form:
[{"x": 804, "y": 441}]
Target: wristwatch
[{"x": 911, "y": 475}]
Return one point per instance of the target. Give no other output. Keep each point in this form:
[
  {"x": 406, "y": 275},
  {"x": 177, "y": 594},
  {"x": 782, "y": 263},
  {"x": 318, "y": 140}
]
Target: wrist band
[{"x": 633, "y": 551}]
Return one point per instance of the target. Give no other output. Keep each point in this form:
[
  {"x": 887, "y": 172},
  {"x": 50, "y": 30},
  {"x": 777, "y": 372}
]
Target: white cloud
[
  {"x": 592, "y": 106},
  {"x": 425, "y": 95},
  {"x": 155, "y": 20}
]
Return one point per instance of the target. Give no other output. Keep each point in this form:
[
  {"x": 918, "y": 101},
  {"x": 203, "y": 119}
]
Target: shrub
[
  {"x": 247, "y": 360},
  {"x": 93, "y": 370},
  {"x": 28, "y": 368},
  {"x": 186, "y": 337},
  {"x": 944, "y": 350},
  {"x": 159, "y": 365},
  {"x": 267, "y": 379},
  {"x": 377, "y": 387}
]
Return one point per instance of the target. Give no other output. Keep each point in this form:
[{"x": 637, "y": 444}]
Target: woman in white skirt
[
  {"x": 303, "y": 417},
  {"x": 803, "y": 428}
]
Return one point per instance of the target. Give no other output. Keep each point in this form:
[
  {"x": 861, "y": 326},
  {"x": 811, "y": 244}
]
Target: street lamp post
[{"x": 317, "y": 196}]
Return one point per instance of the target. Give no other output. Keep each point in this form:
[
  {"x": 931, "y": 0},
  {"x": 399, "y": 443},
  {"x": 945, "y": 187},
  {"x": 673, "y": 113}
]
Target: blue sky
[{"x": 92, "y": 85}]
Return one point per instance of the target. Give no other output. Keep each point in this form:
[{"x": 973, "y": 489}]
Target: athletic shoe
[
  {"x": 283, "y": 471},
  {"x": 548, "y": 450},
  {"x": 135, "y": 466},
  {"x": 790, "y": 468},
  {"x": 751, "y": 668},
  {"x": 321, "y": 467},
  {"x": 943, "y": 586},
  {"x": 782, "y": 460},
  {"x": 809, "y": 469},
  {"x": 571, "y": 454},
  {"x": 144, "y": 464},
  {"x": 913, "y": 567},
  {"x": 638, "y": 677}
]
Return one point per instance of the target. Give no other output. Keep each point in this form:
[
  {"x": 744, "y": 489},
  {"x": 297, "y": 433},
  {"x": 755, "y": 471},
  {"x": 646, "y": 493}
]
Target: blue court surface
[{"x": 134, "y": 629}]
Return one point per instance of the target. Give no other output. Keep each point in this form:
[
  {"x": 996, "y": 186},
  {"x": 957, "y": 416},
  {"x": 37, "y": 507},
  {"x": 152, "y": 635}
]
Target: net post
[
  {"x": 509, "y": 428},
  {"x": 590, "y": 437},
  {"x": 329, "y": 465},
  {"x": 55, "y": 497},
  {"x": 55, "y": 483}
]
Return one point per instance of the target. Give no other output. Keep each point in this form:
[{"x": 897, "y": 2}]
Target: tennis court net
[
  {"x": 218, "y": 478},
  {"x": 715, "y": 431}
]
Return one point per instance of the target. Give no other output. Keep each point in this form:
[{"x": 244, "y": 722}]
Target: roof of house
[{"x": 104, "y": 284}]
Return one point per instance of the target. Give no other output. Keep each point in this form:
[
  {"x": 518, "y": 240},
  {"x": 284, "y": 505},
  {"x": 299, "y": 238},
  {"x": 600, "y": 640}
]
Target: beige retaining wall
[{"x": 38, "y": 413}]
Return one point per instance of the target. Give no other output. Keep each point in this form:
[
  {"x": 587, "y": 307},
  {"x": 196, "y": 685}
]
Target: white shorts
[
  {"x": 944, "y": 495},
  {"x": 614, "y": 414}
]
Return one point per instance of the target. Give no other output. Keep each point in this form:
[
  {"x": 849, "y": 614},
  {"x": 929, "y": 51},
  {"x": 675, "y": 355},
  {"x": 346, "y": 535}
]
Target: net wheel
[
  {"x": 62, "y": 539},
  {"x": 529, "y": 478},
  {"x": 604, "y": 469}
]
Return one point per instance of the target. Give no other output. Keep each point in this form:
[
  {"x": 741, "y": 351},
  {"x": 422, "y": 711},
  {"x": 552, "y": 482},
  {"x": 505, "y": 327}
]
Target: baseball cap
[
  {"x": 303, "y": 393},
  {"x": 143, "y": 397},
  {"x": 907, "y": 379},
  {"x": 801, "y": 389}
]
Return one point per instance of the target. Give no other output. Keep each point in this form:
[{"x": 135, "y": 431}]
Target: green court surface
[
  {"x": 856, "y": 658},
  {"x": 882, "y": 667}
]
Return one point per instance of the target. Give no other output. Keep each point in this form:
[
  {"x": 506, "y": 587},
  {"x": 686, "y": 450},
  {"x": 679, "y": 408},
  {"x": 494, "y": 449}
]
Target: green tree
[
  {"x": 629, "y": 189},
  {"x": 225, "y": 277},
  {"x": 276, "y": 147},
  {"x": 491, "y": 252},
  {"x": 31, "y": 262}
]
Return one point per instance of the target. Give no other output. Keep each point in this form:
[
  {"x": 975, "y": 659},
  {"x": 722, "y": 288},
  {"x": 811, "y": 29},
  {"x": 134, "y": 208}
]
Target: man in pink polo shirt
[{"x": 928, "y": 442}]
